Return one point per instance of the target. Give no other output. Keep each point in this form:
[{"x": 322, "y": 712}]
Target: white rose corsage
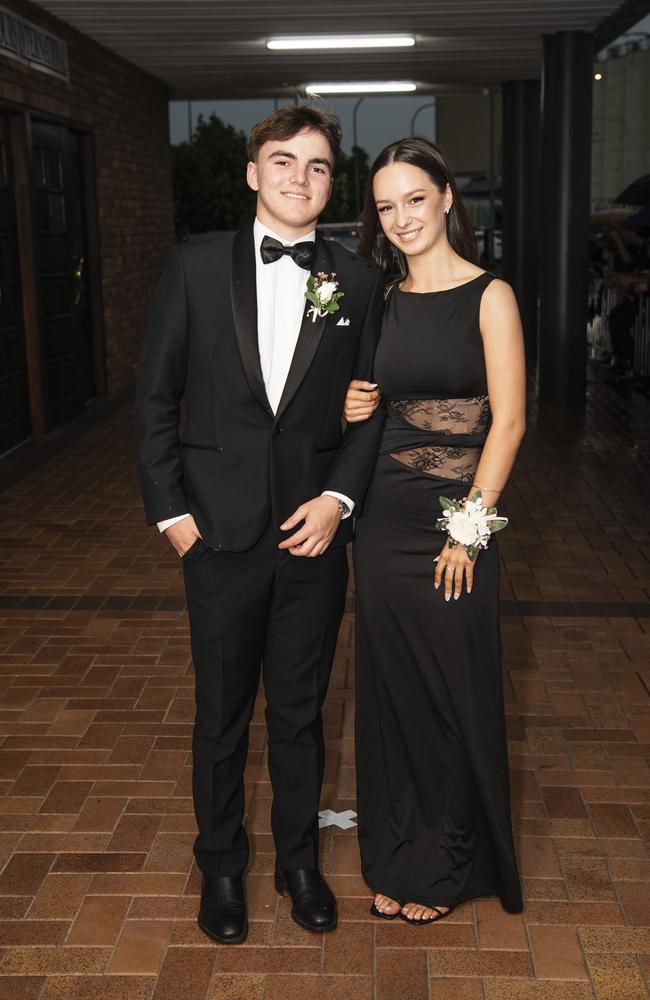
[
  {"x": 324, "y": 295},
  {"x": 469, "y": 522}
]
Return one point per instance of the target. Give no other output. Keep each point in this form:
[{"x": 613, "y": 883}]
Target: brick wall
[{"x": 127, "y": 111}]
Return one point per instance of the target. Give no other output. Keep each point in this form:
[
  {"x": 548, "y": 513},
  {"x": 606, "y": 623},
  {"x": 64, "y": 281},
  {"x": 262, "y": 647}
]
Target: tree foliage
[
  {"x": 342, "y": 205},
  {"x": 209, "y": 177},
  {"x": 210, "y": 189}
]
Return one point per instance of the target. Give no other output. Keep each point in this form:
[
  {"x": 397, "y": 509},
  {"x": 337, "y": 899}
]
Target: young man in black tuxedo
[{"x": 244, "y": 466}]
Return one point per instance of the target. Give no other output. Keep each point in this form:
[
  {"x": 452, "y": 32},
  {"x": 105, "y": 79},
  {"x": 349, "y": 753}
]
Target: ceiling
[{"x": 216, "y": 48}]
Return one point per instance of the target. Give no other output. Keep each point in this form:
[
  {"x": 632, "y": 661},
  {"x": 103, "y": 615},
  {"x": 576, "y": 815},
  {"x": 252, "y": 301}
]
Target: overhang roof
[{"x": 216, "y": 48}]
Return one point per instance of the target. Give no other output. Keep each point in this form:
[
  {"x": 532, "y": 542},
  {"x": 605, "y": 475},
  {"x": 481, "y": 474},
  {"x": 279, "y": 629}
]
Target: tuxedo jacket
[{"x": 208, "y": 441}]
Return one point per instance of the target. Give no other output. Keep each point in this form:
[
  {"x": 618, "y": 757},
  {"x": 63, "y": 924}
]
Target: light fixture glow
[
  {"x": 598, "y": 76},
  {"x": 394, "y": 87},
  {"x": 342, "y": 42}
]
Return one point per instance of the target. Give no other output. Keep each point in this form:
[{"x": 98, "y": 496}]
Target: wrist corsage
[{"x": 469, "y": 522}]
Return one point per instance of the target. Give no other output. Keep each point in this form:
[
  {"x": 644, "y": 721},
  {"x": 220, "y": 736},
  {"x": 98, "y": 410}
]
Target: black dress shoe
[
  {"x": 314, "y": 906},
  {"x": 222, "y": 915}
]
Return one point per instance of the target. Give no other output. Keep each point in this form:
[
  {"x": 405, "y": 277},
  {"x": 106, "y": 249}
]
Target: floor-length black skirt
[{"x": 433, "y": 795}]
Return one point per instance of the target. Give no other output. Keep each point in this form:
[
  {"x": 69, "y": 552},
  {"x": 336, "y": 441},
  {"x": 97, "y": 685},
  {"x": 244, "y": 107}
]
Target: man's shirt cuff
[
  {"x": 162, "y": 525},
  {"x": 340, "y": 496}
]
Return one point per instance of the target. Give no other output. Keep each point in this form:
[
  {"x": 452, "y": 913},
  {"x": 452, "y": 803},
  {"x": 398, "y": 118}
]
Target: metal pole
[
  {"x": 357, "y": 192},
  {"x": 431, "y": 104},
  {"x": 189, "y": 121}
]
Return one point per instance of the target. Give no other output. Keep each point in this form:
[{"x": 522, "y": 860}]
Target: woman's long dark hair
[{"x": 428, "y": 157}]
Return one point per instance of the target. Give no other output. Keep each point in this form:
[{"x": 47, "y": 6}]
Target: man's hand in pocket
[{"x": 183, "y": 534}]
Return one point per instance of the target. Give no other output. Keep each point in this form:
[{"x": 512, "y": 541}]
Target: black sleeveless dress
[{"x": 433, "y": 795}]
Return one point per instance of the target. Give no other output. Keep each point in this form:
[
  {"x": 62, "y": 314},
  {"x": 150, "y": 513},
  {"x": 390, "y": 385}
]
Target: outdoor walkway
[{"x": 99, "y": 895}]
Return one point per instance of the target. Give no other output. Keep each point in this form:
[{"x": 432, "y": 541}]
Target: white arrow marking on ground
[{"x": 344, "y": 820}]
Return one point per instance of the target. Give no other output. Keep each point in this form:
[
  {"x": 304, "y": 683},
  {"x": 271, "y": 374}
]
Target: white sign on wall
[{"x": 20, "y": 39}]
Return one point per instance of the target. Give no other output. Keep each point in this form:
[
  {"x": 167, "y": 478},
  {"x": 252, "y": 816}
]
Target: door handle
[{"x": 78, "y": 275}]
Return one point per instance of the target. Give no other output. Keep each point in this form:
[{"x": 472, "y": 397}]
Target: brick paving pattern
[{"x": 98, "y": 892}]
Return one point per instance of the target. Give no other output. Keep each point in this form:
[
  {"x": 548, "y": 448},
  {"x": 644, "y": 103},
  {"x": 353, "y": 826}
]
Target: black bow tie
[{"x": 301, "y": 253}]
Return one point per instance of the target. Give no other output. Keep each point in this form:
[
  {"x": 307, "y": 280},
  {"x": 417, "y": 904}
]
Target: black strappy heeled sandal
[
  {"x": 426, "y": 920},
  {"x": 374, "y": 912}
]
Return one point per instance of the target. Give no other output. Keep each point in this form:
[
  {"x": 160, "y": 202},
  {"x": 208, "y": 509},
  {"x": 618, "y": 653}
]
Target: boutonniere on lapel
[{"x": 323, "y": 293}]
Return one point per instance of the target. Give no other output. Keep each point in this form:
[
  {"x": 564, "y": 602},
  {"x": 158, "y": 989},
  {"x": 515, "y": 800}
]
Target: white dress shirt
[{"x": 281, "y": 288}]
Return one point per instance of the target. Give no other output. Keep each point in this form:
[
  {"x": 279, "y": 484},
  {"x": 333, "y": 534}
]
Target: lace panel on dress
[
  {"x": 443, "y": 462},
  {"x": 444, "y": 417}
]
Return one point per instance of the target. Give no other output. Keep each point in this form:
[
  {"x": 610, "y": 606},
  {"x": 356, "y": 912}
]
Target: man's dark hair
[{"x": 287, "y": 122}]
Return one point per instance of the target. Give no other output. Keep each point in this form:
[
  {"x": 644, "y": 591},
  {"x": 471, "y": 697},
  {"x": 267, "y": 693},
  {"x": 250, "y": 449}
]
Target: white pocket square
[{"x": 343, "y": 322}]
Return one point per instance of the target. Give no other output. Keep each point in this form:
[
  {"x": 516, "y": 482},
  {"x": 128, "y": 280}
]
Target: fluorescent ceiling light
[
  {"x": 396, "y": 87},
  {"x": 342, "y": 42}
]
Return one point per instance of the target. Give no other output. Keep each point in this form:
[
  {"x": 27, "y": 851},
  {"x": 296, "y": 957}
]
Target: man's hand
[
  {"x": 322, "y": 517},
  {"x": 183, "y": 534}
]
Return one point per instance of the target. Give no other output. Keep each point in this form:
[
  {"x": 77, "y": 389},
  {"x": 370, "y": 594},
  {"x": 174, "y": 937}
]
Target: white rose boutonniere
[
  {"x": 324, "y": 295},
  {"x": 469, "y": 523}
]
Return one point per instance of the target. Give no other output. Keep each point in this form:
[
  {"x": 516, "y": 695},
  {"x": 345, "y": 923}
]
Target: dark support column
[
  {"x": 565, "y": 205},
  {"x": 520, "y": 200}
]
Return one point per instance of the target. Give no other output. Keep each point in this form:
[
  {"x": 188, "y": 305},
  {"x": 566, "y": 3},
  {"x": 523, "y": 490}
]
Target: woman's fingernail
[
  {"x": 456, "y": 596},
  {"x": 469, "y": 590},
  {"x": 436, "y": 585},
  {"x": 447, "y": 597}
]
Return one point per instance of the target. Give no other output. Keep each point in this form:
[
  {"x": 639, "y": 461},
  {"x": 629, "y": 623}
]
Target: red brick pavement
[{"x": 98, "y": 890}]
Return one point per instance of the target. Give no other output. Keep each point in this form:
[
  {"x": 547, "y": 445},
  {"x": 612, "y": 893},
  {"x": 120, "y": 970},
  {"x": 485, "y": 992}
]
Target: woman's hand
[
  {"x": 361, "y": 401},
  {"x": 451, "y": 565}
]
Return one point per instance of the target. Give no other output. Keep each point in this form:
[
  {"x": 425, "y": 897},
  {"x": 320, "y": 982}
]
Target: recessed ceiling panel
[{"x": 217, "y": 48}]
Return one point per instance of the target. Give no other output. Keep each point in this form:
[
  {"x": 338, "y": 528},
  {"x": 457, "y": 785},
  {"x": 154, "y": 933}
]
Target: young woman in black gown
[{"x": 433, "y": 796}]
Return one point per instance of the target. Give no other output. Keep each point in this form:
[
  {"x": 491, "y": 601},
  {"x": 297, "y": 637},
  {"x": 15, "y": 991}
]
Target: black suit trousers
[{"x": 262, "y": 608}]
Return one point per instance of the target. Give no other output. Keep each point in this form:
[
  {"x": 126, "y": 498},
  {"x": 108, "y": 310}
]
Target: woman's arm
[
  {"x": 503, "y": 347},
  {"x": 505, "y": 366},
  {"x": 361, "y": 401}
]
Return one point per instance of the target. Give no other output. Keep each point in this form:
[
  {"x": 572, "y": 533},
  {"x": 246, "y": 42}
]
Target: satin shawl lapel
[
  {"x": 310, "y": 332},
  {"x": 243, "y": 292}
]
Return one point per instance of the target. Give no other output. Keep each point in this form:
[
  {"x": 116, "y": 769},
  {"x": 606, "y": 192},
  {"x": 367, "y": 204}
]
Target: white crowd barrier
[
  {"x": 603, "y": 301},
  {"x": 642, "y": 338}
]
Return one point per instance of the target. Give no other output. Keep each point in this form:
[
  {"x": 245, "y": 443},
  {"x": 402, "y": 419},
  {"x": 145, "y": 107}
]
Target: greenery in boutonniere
[{"x": 323, "y": 293}]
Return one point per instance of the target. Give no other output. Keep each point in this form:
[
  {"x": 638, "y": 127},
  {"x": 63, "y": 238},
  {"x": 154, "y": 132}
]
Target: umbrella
[
  {"x": 613, "y": 216},
  {"x": 637, "y": 193},
  {"x": 641, "y": 220},
  {"x": 479, "y": 187}
]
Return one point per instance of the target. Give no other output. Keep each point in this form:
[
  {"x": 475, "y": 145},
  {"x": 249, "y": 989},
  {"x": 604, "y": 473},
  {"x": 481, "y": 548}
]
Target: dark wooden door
[
  {"x": 61, "y": 264},
  {"x": 14, "y": 393}
]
